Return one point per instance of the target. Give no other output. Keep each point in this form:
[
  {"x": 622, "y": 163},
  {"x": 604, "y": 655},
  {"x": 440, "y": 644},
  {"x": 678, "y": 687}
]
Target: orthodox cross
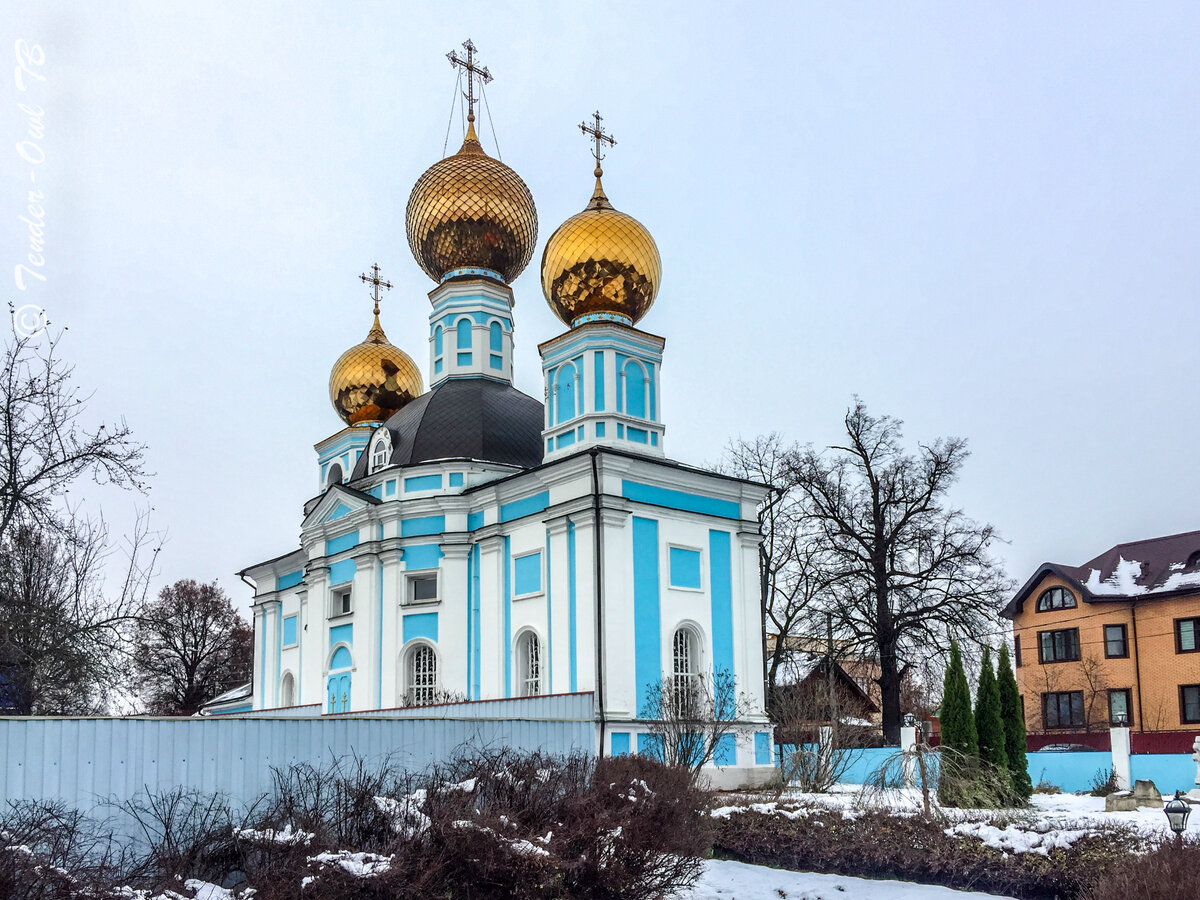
[
  {"x": 376, "y": 282},
  {"x": 472, "y": 71},
  {"x": 597, "y": 133}
]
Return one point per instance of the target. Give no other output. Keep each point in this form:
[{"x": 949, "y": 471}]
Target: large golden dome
[
  {"x": 601, "y": 264},
  {"x": 373, "y": 380},
  {"x": 471, "y": 211}
]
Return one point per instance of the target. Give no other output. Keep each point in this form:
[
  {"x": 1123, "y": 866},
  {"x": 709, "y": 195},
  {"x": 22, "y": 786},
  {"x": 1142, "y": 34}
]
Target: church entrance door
[{"x": 339, "y": 692}]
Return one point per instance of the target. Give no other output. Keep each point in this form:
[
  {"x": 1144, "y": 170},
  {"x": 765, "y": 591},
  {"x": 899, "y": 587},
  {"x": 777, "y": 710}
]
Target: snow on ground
[{"x": 727, "y": 880}]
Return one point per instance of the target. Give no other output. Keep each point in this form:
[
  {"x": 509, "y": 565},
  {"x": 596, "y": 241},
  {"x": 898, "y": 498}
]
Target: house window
[
  {"x": 1063, "y": 709},
  {"x": 1055, "y": 598},
  {"x": 529, "y": 664},
  {"x": 1189, "y": 703},
  {"x": 341, "y": 604},
  {"x": 422, "y": 676},
  {"x": 1119, "y": 706},
  {"x": 1116, "y": 646},
  {"x": 1058, "y": 646},
  {"x": 381, "y": 452},
  {"x": 685, "y": 685},
  {"x": 1186, "y": 633},
  {"x": 423, "y": 588},
  {"x": 1017, "y": 649}
]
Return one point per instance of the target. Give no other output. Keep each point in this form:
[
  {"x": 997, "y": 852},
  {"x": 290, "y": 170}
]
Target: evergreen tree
[
  {"x": 956, "y": 720},
  {"x": 1014, "y": 727},
  {"x": 989, "y": 727}
]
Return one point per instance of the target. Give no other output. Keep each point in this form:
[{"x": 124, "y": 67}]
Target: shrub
[
  {"x": 1047, "y": 787},
  {"x": 989, "y": 725},
  {"x": 1104, "y": 782},
  {"x": 1014, "y": 725},
  {"x": 1162, "y": 874},
  {"x": 957, "y": 720}
]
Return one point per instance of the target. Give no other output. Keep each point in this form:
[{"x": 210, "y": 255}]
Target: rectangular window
[
  {"x": 1058, "y": 646},
  {"x": 1063, "y": 709},
  {"x": 1189, "y": 703},
  {"x": 1186, "y": 633},
  {"x": 289, "y": 631},
  {"x": 1116, "y": 645},
  {"x": 423, "y": 588},
  {"x": 685, "y": 568},
  {"x": 527, "y": 574},
  {"x": 341, "y": 603},
  {"x": 1017, "y": 649},
  {"x": 1119, "y": 706}
]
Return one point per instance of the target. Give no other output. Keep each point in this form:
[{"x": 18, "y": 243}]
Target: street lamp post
[{"x": 1177, "y": 811}]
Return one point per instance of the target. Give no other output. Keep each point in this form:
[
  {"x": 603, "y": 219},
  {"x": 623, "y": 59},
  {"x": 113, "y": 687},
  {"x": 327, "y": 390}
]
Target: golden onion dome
[
  {"x": 601, "y": 264},
  {"x": 470, "y": 211},
  {"x": 373, "y": 380}
]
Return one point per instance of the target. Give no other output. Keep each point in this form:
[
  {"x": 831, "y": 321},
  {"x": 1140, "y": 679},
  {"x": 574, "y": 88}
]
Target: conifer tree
[
  {"x": 1014, "y": 726},
  {"x": 989, "y": 727},
  {"x": 956, "y": 720}
]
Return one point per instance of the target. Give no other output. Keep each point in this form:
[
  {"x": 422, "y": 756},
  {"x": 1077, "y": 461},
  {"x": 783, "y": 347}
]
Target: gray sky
[{"x": 983, "y": 219}]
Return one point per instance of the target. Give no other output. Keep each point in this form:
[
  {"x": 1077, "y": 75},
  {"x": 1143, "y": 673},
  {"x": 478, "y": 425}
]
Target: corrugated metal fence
[{"x": 86, "y": 761}]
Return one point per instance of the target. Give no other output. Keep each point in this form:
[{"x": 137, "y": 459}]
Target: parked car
[{"x": 1068, "y": 748}]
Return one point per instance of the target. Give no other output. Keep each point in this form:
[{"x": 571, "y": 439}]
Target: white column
[
  {"x": 491, "y": 618},
  {"x": 393, "y": 597},
  {"x": 452, "y": 618},
  {"x": 908, "y": 746},
  {"x": 1120, "y": 758}
]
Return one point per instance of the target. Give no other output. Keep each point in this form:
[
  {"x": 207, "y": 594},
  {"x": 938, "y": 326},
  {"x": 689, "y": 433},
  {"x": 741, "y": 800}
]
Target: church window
[
  {"x": 342, "y": 603},
  {"x": 423, "y": 588},
  {"x": 495, "y": 337},
  {"x": 685, "y": 683},
  {"x": 334, "y": 475},
  {"x": 1055, "y": 598},
  {"x": 287, "y": 690},
  {"x": 529, "y": 664},
  {"x": 635, "y": 390},
  {"x": 463, "y": 328},
  {"x": 382, "y": 451},
  {"x": 564, "y": 386},
  {"x": 422, "y": 675},
  {"x": 437, "y": 341}
]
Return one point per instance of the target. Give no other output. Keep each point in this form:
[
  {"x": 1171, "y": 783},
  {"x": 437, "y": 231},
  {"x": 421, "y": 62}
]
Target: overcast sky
[{"x": 983, "y": 219}]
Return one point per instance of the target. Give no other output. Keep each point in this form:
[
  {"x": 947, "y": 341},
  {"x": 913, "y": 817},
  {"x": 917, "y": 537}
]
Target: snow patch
[
  {"x": 360, "y": 865},
  {"x": 285, "y": 837}
]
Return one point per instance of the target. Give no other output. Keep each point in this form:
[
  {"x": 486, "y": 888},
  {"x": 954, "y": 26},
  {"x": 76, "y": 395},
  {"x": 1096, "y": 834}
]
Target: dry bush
[
  {"x": 1168, "y": 872},
  {"x": 48, "y": 851}
]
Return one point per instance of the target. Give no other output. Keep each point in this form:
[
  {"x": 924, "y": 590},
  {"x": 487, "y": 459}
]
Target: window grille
[
  {"x": 686, "y": 680},
  {"x": 531, "y": 665},
  {"x": 422, "y": 676}
]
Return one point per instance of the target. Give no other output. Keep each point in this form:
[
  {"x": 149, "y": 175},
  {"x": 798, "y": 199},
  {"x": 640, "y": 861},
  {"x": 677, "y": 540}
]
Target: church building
[{"x": 469, "y": 542}]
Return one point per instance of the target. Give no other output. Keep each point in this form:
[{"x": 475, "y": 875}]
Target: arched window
[
  {"x": 685, "y": 675},
  {"x": 495, "y": 337},
  {"x": 287, "y": 690},
  {"x": 1055, "y": 598},
  {"x": 1193, "y": 563},
  {"x": 529, "y": 664},
  {"x": 421, "y": 673},
  {"x": 381, "y": 451},
  {"x": 564, "y": 383},
  {"x": 437, "y": 341},
  {"x": 635, "y": 390},
  {"x": 334, "y": 475},
  {"x": 464, "y": 333}
]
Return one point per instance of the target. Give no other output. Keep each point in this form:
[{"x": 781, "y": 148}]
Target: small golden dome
[
  {"x": 471, "y": 211},
  {"x": 601, "y": 264},
  {"x": 373, "y": 380}
]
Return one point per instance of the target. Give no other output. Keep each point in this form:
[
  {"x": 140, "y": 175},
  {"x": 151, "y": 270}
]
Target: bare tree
[
  {"x": 690, "y": 717},
  {"x": 910, "y": 572},
  {"x": 794, "y": 565},
  {"x": 817, "y": 743},
  {"x": 1095, "y": 690},
  {"x": 191, "y": 646},
  {"x": 66, "y": 635},
  {"x": 45, "y": 446}
]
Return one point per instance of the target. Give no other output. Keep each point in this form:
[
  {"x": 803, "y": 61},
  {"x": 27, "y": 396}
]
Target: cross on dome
[
  {"x": 376, "y": 283},
  {"x": 473, "y": 71},
  {"x": 597, "y": 133}
]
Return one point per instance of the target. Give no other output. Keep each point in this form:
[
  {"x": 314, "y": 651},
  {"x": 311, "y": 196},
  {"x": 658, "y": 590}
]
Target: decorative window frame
[
  {"x": 407, "y": 652},
  {"x": 381, "y": 441},
  {"x": 410, "y": 578},
  {"x": 541, "y": 575},
  {"x": 691, "y": 549},
  {"x": 335, "y": 594}
]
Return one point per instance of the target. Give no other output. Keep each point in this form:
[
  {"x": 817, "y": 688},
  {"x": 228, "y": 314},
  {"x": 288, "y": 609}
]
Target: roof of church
[{"x": 466, "y": 418}]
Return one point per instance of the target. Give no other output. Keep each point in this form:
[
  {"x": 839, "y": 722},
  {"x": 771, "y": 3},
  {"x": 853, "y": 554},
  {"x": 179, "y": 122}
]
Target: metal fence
[{"x": 87, "y": 761}]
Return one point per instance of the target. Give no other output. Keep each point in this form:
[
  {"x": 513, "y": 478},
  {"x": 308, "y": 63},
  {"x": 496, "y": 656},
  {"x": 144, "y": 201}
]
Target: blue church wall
[
  {"x": 721, "y": 590},
  {"x": 341, "y": 659},
  {"x": 527, "y": 506},
  {"x": 682, "y": 500},
  {"x": 456, "y": 479},
  {"x": 291, "y": 579},
  {"x": 726, "y": 750},
  {"x": 572, "y": 624},
  {"x": 599, "y": 381},
  {"x": 635, "y": 389},
  {"x": 421, "y": 625},
  {"x": 474, "y": 520},
  {"x": 289, "y": 631},
  {"x": 637, "y": 434},
  {"x": 422, "y": 525},
  {"x": 685, "y": 568},
  {"x": 422, "y": 556},
  {"x": 341, "y": 542},
  {"x": 343, "y": 571},
  {"x": 620, "y": 743},
  {"x": 342, "y": 509},
  {"x": 527, "y": 573},
  {"x": 647, "y": 625},
  {"x": 341, "y": 634},
  {"x": 473, "y": 628},
  {"x": 423, "y": 483},
  {"x": 564, "y": 384}
]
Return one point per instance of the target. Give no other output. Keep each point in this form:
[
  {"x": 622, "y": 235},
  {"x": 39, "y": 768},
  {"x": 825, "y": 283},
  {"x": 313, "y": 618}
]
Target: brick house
[{"x": 1117, "y": 638}]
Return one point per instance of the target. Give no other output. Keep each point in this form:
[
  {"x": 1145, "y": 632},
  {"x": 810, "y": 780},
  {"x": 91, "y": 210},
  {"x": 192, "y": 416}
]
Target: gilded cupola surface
[
  {"x": 471, "y": 211},
  {"x": 373, "y": 380}
]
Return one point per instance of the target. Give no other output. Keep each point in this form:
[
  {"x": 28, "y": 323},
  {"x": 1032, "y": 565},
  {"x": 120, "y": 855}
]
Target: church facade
[{"x": 470, "y": 542}]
